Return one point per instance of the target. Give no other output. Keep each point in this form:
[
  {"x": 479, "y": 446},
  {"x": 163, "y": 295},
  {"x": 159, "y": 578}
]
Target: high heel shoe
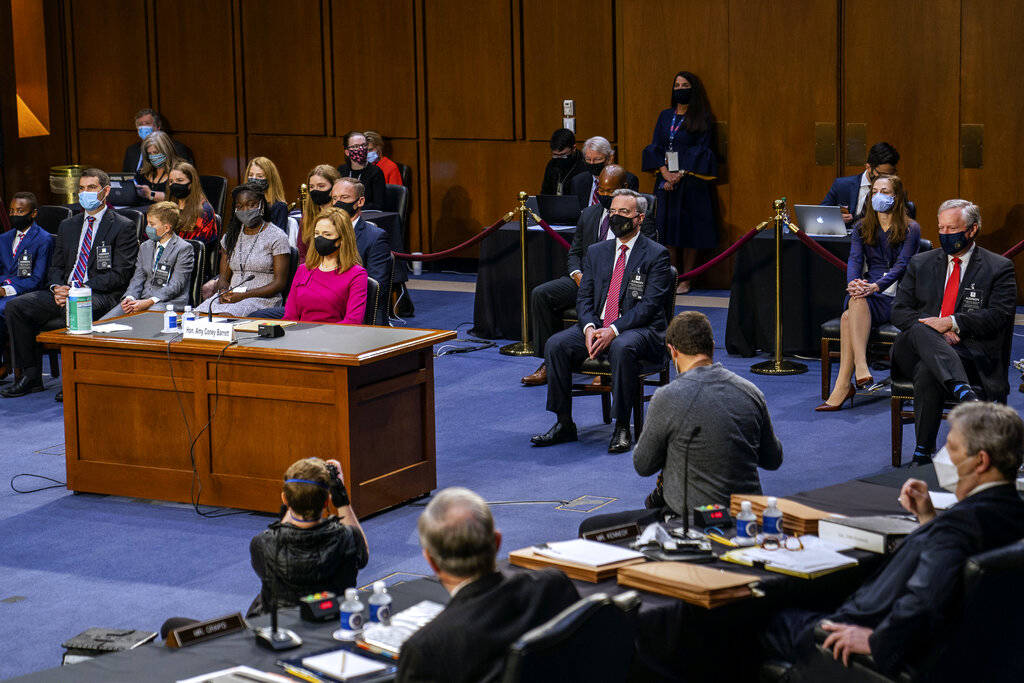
[
  {"x": 827, "y": 407},
  {"x": 864, "y": 382}
]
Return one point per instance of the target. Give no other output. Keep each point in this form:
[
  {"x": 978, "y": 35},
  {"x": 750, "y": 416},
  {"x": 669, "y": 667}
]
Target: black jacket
[
  {"x": 373, "y": 181},
  {"x": 115, "y": 232},
  {"x": 294, "y": 562},
  {"x": 133, "y": 154},
  {"x": 582, "y": 185},
  {"x": 910, "y": 600},
  {"x": 588, "y": 230},
  {"x": 556, "y": 182},
  {"x": 990, "y": 281},
  {"x": 469, "y": 639}
]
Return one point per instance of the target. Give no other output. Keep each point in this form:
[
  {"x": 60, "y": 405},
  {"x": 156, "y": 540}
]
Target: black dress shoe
[
  {"x": 562, "y": 432},
  {"x": 59, "y": 398},
  {"x": 621, "y": 441},
  {"x": 920, "y": 460},
  {"x": 23, "y": 387}
]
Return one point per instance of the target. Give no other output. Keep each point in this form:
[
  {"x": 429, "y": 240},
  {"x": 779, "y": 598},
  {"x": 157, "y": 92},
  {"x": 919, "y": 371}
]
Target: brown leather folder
[
  {"x": 696, "y": 584},
  {"x": 525, "y": 557}
]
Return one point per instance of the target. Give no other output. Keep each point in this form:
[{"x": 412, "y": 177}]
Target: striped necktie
[
  {"x": 82, "y": 267},
  {"x": 611, "y": 304},
  {"x": 593, "y": 194}
]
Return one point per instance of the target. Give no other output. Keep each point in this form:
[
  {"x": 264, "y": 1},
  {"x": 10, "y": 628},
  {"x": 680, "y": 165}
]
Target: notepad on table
[
  {"x": 107, "y": 328},
  {"x": 810, "y": 563},
  {"x": 254, "y": 325},
  {"x": 588, "y": 553},
  {"x": 342, "y": 665}
]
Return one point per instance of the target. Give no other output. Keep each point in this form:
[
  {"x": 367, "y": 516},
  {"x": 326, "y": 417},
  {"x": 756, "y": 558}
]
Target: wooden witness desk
[{"x": 362, "y": 395}]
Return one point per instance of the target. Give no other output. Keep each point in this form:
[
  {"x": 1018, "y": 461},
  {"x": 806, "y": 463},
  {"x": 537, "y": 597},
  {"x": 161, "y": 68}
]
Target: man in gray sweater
[{"x": 720, "y": 416}]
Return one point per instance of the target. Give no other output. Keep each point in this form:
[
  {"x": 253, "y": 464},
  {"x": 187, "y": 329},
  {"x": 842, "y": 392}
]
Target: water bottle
[
  {"x": 351, "y": 616},
  {"x": 188, "y": 316},
  {"x": 380, "y": 604},
  {"x": 746, "y": 525},
  {"x": 771, "y": 520},
  {"x": 79, "y": 309},
  {"x": 417, "y": 266},
  {"x": 170, "y": 319}
]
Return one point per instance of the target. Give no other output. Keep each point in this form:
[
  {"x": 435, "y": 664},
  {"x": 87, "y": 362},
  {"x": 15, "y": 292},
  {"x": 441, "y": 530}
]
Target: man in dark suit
[
  {"x": 850, "y": 193},
  {"x": 24, "y": 257},
  {"x": 597, "y": 153},
  {"x": 488, "y": 609},
  {"x": 96, "y": 247},
  {"x": 621, "y": 307},
  {"x": 900, "y": 613},
  {"x": 147, "y": 121},
  {"x": 565, "y": 164},
  {"x": 955, "y": 308},
  {"x": 372, "y": 243}
]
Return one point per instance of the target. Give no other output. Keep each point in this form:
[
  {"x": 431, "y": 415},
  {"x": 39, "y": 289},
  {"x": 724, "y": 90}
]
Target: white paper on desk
[
  {"x": 589, "y": 553},
  {"x": 253, "y": 674},
  {"x": 342, "y": 664},
  {"x": 810, "y": 541},
  {"x": 809, "y": 560},
  {"x": 111, "y": 327},
  {"x": 942, "y": 500}
]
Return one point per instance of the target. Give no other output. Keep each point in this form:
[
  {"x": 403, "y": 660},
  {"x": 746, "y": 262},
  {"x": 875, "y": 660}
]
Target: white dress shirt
[
  {"x": 81, "y": 240},
  {"x": 964, "y": 260},
  {"x": 862, "y": 195},
  {"x": 629, "y": 250},
  {"x": 609, "y": 236}
]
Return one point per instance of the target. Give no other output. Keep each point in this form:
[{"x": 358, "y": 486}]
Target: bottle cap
[
  {"x": 745, "y": 506},
  {"x": 170, "y": 307},
  {"x": 351, "y": 594},
  {"x": 772, "y": 501},
  {"x": 379, "y": 587},
  {"x": 188, "y": 308}
]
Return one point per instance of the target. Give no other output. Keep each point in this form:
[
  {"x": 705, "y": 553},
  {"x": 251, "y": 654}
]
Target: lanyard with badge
[
  {"x": 161, "y": 271},
  {"x": 672, "y": 156},
  {"x": 25, "y": 264}
]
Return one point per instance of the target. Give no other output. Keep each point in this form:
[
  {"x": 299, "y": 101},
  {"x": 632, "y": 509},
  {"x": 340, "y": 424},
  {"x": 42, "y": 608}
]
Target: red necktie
[
  {"x": 602, "y": 235},
  {"x": 593, "y": 194},
  {"x": 82, "y": 267},
  {"x": 611, "y": 304},
  {"x": 952, "y": 288}
]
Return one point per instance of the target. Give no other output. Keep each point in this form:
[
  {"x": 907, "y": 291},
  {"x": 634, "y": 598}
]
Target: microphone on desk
[
  {"x": 271, "y": 636},
  {"x": 686, "y": 482},
  {"x": 209, "y": 316}
]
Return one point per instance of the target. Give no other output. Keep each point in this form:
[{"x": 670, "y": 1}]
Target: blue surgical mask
[
  {"x": 882, "y": 203},
  {"x": 372, "y": 156},
  {"x": 157, "y": 159},
  {"x": 151, "y": 233},
  {"x": 144, "y": 131},
  {"x": 954, "y": 242},
  {"x": 90, "y": 201}
]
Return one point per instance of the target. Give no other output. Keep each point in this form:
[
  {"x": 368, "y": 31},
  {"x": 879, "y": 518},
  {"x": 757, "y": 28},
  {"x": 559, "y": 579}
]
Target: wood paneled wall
[{"x": 468, "y": 92}]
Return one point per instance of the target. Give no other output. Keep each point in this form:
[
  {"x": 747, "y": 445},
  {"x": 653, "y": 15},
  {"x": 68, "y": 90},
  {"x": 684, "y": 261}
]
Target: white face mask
[{"x": 946, "y": 471}]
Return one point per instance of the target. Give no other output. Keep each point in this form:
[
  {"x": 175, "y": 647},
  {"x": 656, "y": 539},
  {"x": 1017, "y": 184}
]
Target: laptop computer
[
  {"x": 559, "y": 209},
  {"x": 122, "y": 190},
  {"x": 820, "y": 220}
]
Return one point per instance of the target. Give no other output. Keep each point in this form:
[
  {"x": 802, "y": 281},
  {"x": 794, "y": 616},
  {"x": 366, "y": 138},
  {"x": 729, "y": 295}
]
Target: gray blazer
[{"x": 178, "y": 255}]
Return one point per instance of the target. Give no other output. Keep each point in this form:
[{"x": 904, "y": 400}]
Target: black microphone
[
  {"x": 272, "y": 637},
  {"x": 209, "y": 316},
  {"x": 686, "y": 482}
]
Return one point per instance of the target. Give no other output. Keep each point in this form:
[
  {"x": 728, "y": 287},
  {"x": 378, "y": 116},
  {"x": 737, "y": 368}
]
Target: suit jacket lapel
[
  {"x": 969, "y": 275},
  {"x": 604, "y": 276},
  {"x": 99, "y": 236},
  {"x": 938, "y": 266}
]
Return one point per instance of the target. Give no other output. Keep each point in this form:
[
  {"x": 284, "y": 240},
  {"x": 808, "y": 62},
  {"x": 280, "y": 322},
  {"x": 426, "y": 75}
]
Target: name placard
[
  {"x": 206, "y": 630},
  {"x": 205, "y": 330},
  {"x": 612, "y": 534}
]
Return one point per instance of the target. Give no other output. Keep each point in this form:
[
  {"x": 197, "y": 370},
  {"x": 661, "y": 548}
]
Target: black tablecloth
[
  {"x": 812, "y": 292},
  {"x": 496, "y": 308}
]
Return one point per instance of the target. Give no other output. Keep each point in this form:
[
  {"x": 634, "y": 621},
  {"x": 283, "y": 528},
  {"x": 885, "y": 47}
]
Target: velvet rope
[
  {"x": 551, "y": 231},
  {"x": 458, "y": 247},
  {"x": 1014, "y": 250},
  {"x": 820, "y": 250},
  {"x": 724, "y": 255}
]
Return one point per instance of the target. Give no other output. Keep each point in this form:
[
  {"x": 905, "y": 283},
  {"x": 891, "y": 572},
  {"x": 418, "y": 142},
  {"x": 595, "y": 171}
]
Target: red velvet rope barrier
[
  {"x": 458, "y": 247},
  {"x": 1014, "y": 250},
  {"x": 820, "y": 250},
  {"x": 552, "y": 232},
  {"x": 718, "y": 259}
]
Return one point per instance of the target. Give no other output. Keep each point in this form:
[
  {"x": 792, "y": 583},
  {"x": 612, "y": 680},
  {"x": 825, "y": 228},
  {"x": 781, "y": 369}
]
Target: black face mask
[
  {"x": 320, "y": 197},
  {"x": 620, "y": 225},
  {"x": 681, "y": 95},
  {"x": 324, "y": 246},
  {"x": 605, "y": 200},
  {"x": 179, "y": 190},
  {"x": 261, "y": 183},
  {"x": 347, "y": 207},
  {"x": 595, "y": 169},
  {"x": 563, "y": 164},
  {"x": 20, "y": 223}
]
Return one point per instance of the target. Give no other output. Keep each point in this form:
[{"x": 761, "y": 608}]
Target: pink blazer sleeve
[
  {"x": 355, "y": 302},
  {"x": 291, "y": 307}
]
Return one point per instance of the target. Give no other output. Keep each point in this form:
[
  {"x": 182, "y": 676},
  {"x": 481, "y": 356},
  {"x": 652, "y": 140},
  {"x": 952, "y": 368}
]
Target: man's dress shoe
[
  {"x": 539, "y": 377},
  {"x": 560, "y": 433},
  {"x": 621, "y": 441},
  {"x": 23, "y": 387}
]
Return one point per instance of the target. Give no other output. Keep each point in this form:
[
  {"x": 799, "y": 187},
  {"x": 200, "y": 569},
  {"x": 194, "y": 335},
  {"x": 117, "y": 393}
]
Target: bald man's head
[{"x": 612, "y": 178}]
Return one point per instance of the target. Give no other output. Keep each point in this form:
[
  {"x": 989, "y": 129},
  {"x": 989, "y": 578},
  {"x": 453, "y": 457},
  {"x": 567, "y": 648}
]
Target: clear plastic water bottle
[
  {"x": 380, "y": 604},
  {"x": 188, "y": 316},
  {"x": 771, "y": 520},
  {"x": 746, "y": 525},
  {"x": 170, "y": 318},
  {"x": 351, "y": 616}
]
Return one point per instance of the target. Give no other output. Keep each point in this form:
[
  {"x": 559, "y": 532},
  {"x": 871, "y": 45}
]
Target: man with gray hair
[
  {"x": 597, "y": 153},
  {"x": 902, "y": 614},
  {"x": 489, "y": 609},
  {"x": 621, "y": 307},
  {"x": 955, "y": 308}
]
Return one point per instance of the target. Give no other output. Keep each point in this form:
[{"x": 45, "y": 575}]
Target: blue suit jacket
[
  {"x": 844, "y": 192},
  {"x": 650, "y": 261},
  {"x": 372, "y": 244},
  {"x": 38, "y": 244}
]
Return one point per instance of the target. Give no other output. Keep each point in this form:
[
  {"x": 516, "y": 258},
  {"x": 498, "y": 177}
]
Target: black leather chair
[
  {"x": 293, "y": 265},
  {"x": 195, "y": 282},
  {"x": 372, "y": 302},
  {"x": 49, "y": 217},
  {"x": 215, "y": 188},
  {"x": 139, "y": 219},
  {"x": 406, "y": 174},
  {"x": 879, "y": 341},
  {"x": 212, "y": 265},
  {"x": 383, "y": 316},
  {"x": 591, "y": 640},
  {"x": 651, "y": 374},
  {"x": 396, "y": 198}
]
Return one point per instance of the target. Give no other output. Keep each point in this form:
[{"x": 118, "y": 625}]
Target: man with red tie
[
  {"x": 96, "y": 248},
  {"x": 621, "y": 307},
  {"x": 955, "y": 308}
]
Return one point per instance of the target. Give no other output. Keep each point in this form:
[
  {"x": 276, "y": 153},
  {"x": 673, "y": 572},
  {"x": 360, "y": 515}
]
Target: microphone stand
[
  {"x": 271, "y": 636},
  {"x": 209, "y": 312}
]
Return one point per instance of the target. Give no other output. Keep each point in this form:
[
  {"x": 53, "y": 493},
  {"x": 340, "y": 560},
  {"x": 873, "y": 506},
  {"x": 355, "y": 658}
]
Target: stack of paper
[
  {"x": 696, "y": 584},
  {"x": 816, "y": 559},
  {"x": 797, "y": 519},
  {"x": 342, "y": 665},
  {"x": 579, "y": 559}
]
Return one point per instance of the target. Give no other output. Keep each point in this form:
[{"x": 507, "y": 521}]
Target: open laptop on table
[
  {"x": 559, "y": 209},
  {"x": 122, "y": 190},
  {"x": 820, "y": 220}
]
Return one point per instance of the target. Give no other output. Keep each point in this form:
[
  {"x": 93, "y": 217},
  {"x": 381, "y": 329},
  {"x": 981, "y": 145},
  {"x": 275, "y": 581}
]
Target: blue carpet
[{"x": 68, "y": 562}]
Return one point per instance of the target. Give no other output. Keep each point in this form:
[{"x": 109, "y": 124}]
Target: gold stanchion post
[
  {"x": 778, "y": 366},
  {"x": 524, "y": 347}
]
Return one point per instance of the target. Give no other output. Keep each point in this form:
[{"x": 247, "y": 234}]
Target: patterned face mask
[{"x": 357, "y": 155}]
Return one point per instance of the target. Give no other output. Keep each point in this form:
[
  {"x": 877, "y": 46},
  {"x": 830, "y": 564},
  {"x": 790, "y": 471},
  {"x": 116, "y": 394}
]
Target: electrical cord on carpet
[
  {"x": 55, "y": 485},
  {"x": 451, "y": 347}
]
